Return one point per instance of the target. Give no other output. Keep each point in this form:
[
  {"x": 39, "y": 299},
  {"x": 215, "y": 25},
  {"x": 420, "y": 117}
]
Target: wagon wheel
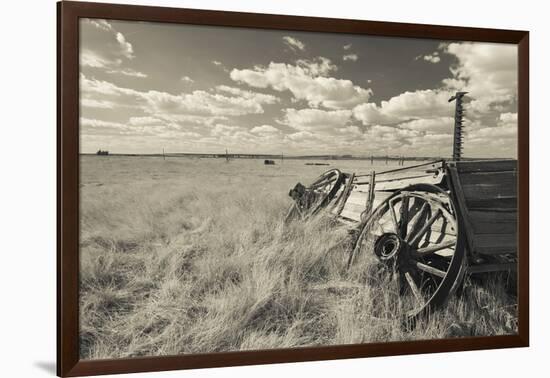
[
  {"x": 415, "y": 233},
  {"x": 317, "y": 195}
]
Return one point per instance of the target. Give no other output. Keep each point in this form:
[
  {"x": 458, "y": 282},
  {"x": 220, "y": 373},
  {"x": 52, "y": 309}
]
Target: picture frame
[{"x": 68, "y": 197}]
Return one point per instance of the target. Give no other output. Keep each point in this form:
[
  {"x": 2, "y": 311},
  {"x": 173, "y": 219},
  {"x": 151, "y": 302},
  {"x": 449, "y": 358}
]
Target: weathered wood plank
[
  {"x": 490, "y": 222},
  {"x": 502, "y": 203},
  {"x": 485, "y": 268},
  {"x": 490, "y": 244},
  {"x": 489, "y": 191},
  {"x": 431, "y": 166},
  {"x": 353, "y": 215},
  {"x": 402, "y": 183},
  {"x": 379, "y": 197},
  {"x": 357, "y": 197},
  {"x": 345, "y": 194},
  {"x": 505, "y": 178},
  {"x": 486, "y": 165},
  {"x": 461, "y": 207}
]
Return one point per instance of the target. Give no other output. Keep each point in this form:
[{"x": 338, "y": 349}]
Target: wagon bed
[{"x": 433, "y": 221}]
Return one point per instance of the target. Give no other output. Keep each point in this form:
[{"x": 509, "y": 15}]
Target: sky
[{"x": 145, "y": 87}]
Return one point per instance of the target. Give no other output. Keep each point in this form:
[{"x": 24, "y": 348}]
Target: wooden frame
[{"x": 68, "y": 363}]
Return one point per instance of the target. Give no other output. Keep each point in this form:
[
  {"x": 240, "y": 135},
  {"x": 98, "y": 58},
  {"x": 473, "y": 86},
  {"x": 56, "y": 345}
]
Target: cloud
[
  {"x": 439, "y": 125},
  {"x": 100, "y": 127},
  {"x": 488, "y": 71},
  {"x": 306, "y": 80},
  {"x": 294, "y": 43},
  {"x": 92, "y": 59},
  {"x": 127, "y": 49},
  {"x": 141, "y": 121},
  {"x": 406, "y": 106},
  {"x": 187, "y": 79},
  {"x": 102, "y": 24},
  {"x": 347, "y": 47},
  {"x": 301, "y": 136},
  {"x": 220, "y": 64},
  {"x": 352, "y": 57},
  {"x": 99, "y": 104},
  {"x": 500, "y": 139},
  {"x": 265, "y": 130},
  {"x": 316, "y": 120},
  {"x": 432, "y": 58},
  {"x": 128, "y": 72},
  {"x": 225, "y": 130},
  {"x": 226, "y": 101}
]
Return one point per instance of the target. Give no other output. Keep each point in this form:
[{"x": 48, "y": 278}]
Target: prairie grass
[{"x": 191, "y": 256}]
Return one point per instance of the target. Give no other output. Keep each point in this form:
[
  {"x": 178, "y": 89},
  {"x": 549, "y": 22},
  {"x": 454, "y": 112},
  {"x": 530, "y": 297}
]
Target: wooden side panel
[
  {"x": 486, "y": 166},
  {"x": 487, "y": 195},
  {"x": 356, "y": 204},
  {"x": 493, "y": 222},
  {"x": 488, "y": 244}
]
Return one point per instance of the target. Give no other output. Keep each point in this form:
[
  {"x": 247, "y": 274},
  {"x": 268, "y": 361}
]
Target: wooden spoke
[
  {"x": 418, "y": 217},
  {"x": 404, "y": 216},
  {"x": 414, "y": 288},
  {"x": 393, "y": 217},
  {"x": 424, "y": 229},
  {"x": 434, "y": 248},
  {"x": 430, "y": 269}
]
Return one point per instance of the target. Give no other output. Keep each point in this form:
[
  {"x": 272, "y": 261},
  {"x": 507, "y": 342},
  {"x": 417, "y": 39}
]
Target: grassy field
[{"x": 191, "y": 256}]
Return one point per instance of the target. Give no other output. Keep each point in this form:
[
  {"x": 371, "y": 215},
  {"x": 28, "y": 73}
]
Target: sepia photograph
[{"x": 256, "y": 189}]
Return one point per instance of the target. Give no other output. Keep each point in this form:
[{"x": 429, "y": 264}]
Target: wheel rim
[
  {"x": 321, "y": 191},
  {"x": 416, "y": 234}
]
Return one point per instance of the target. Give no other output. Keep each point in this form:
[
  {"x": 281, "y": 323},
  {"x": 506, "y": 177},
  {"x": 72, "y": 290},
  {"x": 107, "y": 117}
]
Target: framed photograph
[{"x": 240, "y": 188}]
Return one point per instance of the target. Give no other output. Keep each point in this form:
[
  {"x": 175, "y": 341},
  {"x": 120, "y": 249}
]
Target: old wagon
[{"x": 431, "y": 222}]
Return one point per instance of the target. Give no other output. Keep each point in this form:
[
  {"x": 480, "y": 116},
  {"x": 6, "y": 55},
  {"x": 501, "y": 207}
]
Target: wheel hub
[{"x": 388, "y": 246}]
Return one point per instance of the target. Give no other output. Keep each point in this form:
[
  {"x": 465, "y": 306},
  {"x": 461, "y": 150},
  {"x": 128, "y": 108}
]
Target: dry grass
[{"x": 191, "y": 256}]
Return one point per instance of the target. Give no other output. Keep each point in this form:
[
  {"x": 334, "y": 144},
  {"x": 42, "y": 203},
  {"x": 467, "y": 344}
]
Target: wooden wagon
[{"x": 431, "y": 222}]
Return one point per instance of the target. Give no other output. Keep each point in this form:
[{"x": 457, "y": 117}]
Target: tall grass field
[{"x": 189, "y": 255}]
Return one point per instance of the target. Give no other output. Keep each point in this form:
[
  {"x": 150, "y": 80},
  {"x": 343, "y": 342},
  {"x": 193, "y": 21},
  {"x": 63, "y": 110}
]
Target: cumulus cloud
[
  {"x": 92, "y": 59},
  {"x": 265, "y": 130},
  {"x": 226, "y": 101},
  {"x": 99, "y": 104},
  {"x": 125, "y": 47},
  {"x": 187, "y": 79},
  {"x": 500, "y": 139},
  {"x": 101, "y": 24},
  {"x": 294, "y": 43},
  {"x": 406, "y": 106},
  {"x": 432, "y": 58},
  {"x": 316, "y": 120},
  {"x": 439, "y": 125},
  {"x": 100, "y": 127},
  {"x": 141, "y": 121},
  {"x": 352, "y": 57},
  {"x": 488, "y": 71},
  {"x": 128, "y": 72},
  {"x": 347, "y": 47},
  {"x": 306, "y": 80}
]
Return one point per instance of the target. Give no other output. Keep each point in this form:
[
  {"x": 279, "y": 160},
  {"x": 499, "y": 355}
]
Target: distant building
[{"x": 101, "y": 152}]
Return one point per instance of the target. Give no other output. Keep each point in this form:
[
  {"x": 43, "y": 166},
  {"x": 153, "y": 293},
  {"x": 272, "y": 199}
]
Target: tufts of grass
[{"x": 178, "y": 266}]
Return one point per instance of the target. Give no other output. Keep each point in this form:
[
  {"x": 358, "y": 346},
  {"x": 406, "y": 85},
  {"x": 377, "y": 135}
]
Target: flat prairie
[{"x": 189, "y": 255}]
